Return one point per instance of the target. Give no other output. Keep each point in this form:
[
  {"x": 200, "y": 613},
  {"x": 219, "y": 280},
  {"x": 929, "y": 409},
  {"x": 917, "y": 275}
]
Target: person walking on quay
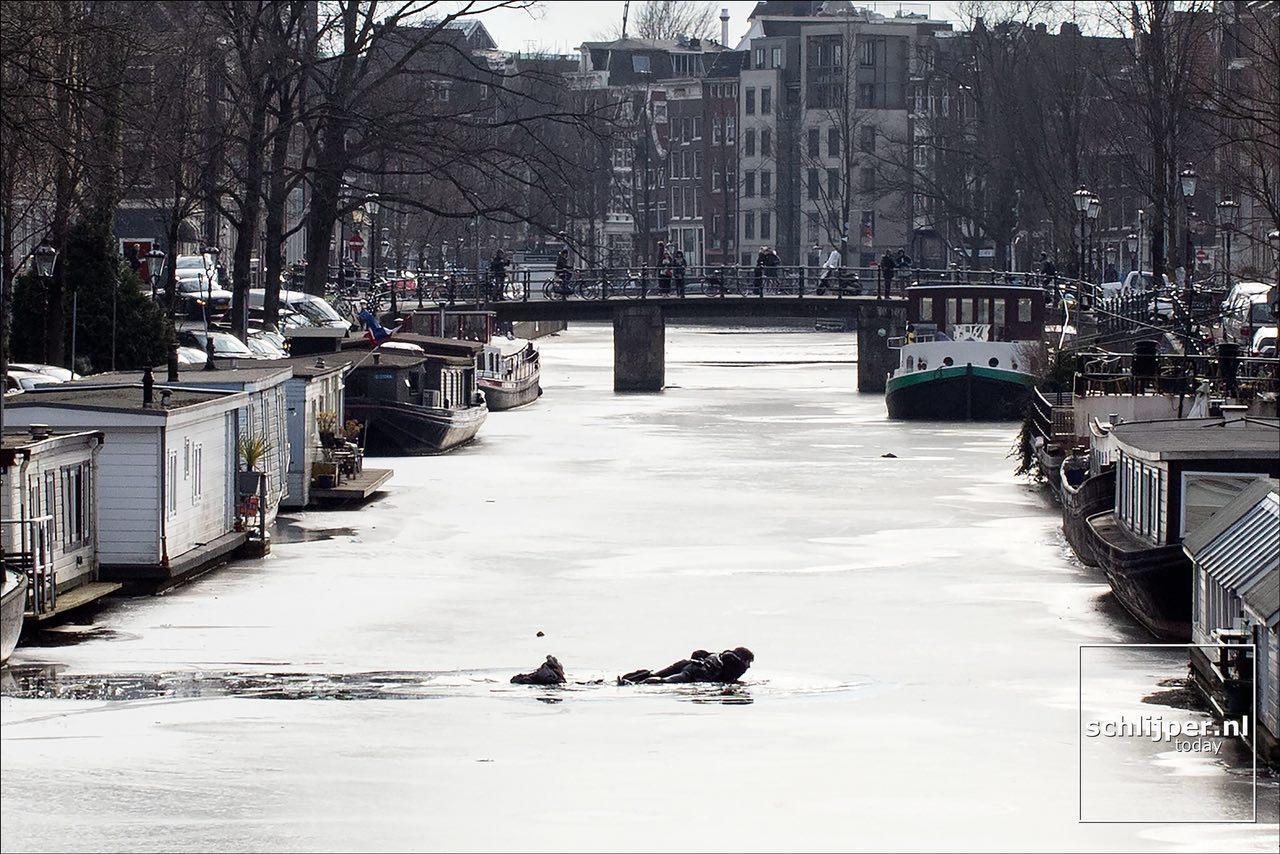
[
  {"x": 678, "y": 267},
  {"x": 498, "y": 275},
  {"x": 830, "y": 272},
  {"x": 886, "y": 273},
  {"x": 1049, "y": 277}
]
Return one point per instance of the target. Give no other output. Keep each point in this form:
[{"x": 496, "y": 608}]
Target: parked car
[
  {"x": 264, "y": 347},
  {"x": 59, "y": 374},
  {"x": 225, "y": 345},
  {"x": 1264, "y": 342},
  {"x": 1142, "y": 281},
  {"x": 195, "y": 267},
  {"x": 1245, "y": 308},
  {"x": 191, "y": 357},
  {"x": 195, "y": 294},
  {"x": 28, "y": 380},
  {"x": 314, "y": 309}
]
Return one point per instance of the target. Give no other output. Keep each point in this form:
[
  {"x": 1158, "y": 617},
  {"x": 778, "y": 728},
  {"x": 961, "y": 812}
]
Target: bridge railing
[{"x": 646, "y": 282}]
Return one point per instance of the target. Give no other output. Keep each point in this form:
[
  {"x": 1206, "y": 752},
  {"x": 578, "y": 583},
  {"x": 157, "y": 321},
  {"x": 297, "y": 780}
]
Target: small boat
[
  {"x": 973, "y": 352},
  {"x": 13, "y": 601},
  {"x": 509, "y": 371},
  {"x": 413, "y": 403},
  {"x": 1153, "y": 583}
]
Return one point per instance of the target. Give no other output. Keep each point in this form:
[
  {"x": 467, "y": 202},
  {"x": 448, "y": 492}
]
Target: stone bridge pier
[
  {"x": 639, "y": 348},
  {"x": 875, "y": 327}
]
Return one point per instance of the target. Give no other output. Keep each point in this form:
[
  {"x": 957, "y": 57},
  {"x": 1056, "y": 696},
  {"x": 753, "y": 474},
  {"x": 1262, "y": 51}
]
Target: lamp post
[
  {"x": 1081, "y": 200},
  {"x": 1091, "y": 212},
  {"x": 371, "y": 208},
  {"x": 1228, "y": 211},
  {"x": 210, "y": 272},
  {"x": 344, "y": 199},
  {"x": 1187, "y": 178}
]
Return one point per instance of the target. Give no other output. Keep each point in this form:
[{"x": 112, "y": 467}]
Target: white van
[
  {"x": 1246, "y": 308},
  {"x": 315, "y": 310}
]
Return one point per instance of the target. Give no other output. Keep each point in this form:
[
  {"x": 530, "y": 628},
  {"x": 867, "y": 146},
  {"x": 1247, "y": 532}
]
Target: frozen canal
[{"x": 916, "y": 623}]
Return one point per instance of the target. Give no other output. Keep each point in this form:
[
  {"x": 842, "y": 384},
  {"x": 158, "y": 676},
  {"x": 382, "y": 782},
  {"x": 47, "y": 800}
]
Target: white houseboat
[
  {"x": 972, "y": 352},
  {"x": 508, "y": 369},
  {"x": 49, "y": 514},
  {"x": 166, "y": 476}
]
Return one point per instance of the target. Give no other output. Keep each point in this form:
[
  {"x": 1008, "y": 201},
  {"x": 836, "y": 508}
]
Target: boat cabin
[
  {"x": 1235, "y": 557},
  {"x": 433, "y": 380},
  {"x": 166, "y": 480},
  {"x": 49, "y": 511},
  {"x": 1171, "y": 476},
  {"x": 965, "y": 312}
]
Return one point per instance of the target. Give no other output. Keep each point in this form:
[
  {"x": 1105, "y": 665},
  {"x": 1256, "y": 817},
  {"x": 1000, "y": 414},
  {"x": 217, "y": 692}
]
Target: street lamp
[
  {"x": 211, "y": 270},
  {"x": 1187, "y": 177},
  {"x": 45, "y": 257},
  {"x": 1095, "y": 208},
  {"x": 344, "y": 200},
  {"x": 1131, "y": 240},
  {"x": 371, "y": 208},
  {"x": 155, "y": 269},
  {"x": 1228, "y": 212},
  {"x": 1081, "y": 199}
]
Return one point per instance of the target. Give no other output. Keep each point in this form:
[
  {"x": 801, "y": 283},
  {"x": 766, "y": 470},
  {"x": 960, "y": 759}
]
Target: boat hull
[
  {"x": 501, "y": 396},
  {"x": 959, "y": 393},
  {"x": 12, "y": 603},
  {"x": 1153, "y": 583},
  {"x": 1094, "y": 495},
  {"x": 399, "y": 430}
]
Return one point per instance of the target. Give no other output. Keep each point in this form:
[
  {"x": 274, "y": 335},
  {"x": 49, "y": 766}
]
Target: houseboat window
[
  {"x": 1204, "y": 493},
  {"x": 171, "y": 484},
  {"x": 1024, "y": 310},
  {"x": 984, "y": 311},
  {"x": 911, "y": 363},
  {"x": 952, "y": 313},
  {"x": 926, "y": 308},
  {"x": 993, "y": 362},
  {"x": 998, "y": 316},
  {"x": 50, "y": 501},
  {"x": 197, "y": 473}
]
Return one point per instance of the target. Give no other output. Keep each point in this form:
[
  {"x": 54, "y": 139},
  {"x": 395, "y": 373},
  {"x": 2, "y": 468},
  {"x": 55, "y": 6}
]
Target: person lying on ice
[
  {"x": 549, "y": 673},
  {"x": 700, "y": 666}
]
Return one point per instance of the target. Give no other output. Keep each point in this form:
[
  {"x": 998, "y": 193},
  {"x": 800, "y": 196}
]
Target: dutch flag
[{"x": 373, "y": 330}]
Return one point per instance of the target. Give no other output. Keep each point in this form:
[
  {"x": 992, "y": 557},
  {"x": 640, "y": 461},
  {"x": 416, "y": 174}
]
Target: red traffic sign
[
  {"x": 1201, "y": 255},
  {"x": 355, "y": 241}
]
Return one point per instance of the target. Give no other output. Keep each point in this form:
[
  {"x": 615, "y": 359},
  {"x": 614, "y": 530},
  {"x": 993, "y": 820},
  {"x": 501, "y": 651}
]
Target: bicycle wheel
[{"x": 589, "y": 289}]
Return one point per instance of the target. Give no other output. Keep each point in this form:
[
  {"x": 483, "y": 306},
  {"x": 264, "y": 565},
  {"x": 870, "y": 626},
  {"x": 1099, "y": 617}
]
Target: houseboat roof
[
  {"x": 430, "y": 344},
  {"x": 316, "y": 364},
  {"x": 123, "y": 397},
  {"x": 389, "y": 359},
  {"x": 24, "y": 444},
  {"x": 1263, "y": 598},
  {"x": 1240, "y": 543},
  {"x": 1199, "y": 438},
  {"x": 254, "y": 376}
]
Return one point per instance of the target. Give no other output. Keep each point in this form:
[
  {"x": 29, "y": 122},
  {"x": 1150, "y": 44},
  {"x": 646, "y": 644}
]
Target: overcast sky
[{"x": 561, "y": 25}]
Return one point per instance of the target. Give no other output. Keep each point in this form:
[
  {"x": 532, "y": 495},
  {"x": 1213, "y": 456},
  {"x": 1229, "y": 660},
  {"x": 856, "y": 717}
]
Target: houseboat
[
  {"x": 262, "y": 419},
  {"x": 166, "y": 475},
  {"x": 412, "y": 402},
  {"x": 12, "y": 599},
  {"x": 1235, "y": 612},
  {"x": 49, "y": 512},
  {"x": 1171, "y": 476},
  {"x": 509, "y": 373},
  {"x": 971, "y": 352}
]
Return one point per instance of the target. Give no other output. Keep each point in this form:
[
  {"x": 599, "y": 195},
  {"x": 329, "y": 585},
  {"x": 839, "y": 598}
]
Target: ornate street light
[
  {"x": 1131, "y": 241},
  {"x": 45, "y": 257},
  {"x": 1080, "y": 198},
  {"x": 1228, "y": 214},
  {"x": 155, "y": 269},
  {"x": 211, "y": 271}
]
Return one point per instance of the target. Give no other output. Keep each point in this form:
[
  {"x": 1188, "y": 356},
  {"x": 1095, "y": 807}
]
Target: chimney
[
  {"x": 724, "y": 26},
  {"x": 40, "y": 431},
  {"x": 165, "y": 394},
  {"x": 377, "y": 357},
  {"x": 148, "y": 387}
]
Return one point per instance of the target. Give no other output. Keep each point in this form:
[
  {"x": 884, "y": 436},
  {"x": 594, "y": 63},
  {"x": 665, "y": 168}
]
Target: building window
[
  {"x": 1024, "y": 310},
  {"x": 749, "y": 100},
  {"x": 759, "y": 57},
  {"x": 749, "y": 183},
  {"x": 866, "y": 95},
  {"x": 73, "y": 521},
  {"x": 766, "y": 100},
  {"x": 640, "y": 63},
  {"x": 953, "y": 311},
  {"x": 171, "y": 484},
  {"x": 716, "y": 180},
  {"x": 868, "y": 179},
  {"x": 729, "y": 130},
  {"x": 717, "y": 131},
  {"x": 867, "y": 138},
  {"x": 998, "y": 314},
  {"x": 867, "y": 54},
  {"x": 833, "y": 142},
  {"x": 813, "y": 142},
  {"x": 197, "y": 474},
  {"x": 749, "y": 225},
  {"x": 775, "y": 57},
  {"x": 815, "y": 188},
  {"x": 766, "y": 142},
  {"x": 766, "y": 183},
  {"x": 764, "y": 225},
  {"x": 926, "y": 309},
  {"x": 833, "y": 183},
  {"x": 749, "y": 142}
]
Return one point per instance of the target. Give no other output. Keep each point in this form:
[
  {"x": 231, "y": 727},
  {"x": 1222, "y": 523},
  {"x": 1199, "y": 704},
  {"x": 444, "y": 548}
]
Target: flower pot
[{"x": 249, "y": 482}]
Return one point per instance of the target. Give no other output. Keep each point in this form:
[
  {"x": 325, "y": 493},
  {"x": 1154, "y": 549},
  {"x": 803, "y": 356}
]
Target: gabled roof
[{"x": 1238, "y": 545}]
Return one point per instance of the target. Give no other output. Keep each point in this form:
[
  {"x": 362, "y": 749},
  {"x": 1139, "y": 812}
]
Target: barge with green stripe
[{"x": 970, "y": 392}]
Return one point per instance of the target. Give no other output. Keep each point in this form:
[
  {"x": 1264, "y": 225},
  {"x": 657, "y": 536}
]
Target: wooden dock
[
  {"x": 79, "y": 597},
  {"x": 357, "y": 488}
]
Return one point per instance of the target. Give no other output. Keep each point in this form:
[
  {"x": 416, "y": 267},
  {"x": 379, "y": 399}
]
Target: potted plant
[
  {"x": 253, "y": 450},
  {"x": 327, "y": 422}
]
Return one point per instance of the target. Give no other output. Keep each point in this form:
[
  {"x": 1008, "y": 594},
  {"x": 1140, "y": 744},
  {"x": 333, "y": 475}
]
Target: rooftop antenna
[{"x": 626, "y": 8}]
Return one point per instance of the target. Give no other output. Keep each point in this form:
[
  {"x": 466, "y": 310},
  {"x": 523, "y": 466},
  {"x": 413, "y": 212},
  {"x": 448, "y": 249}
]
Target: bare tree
[{"x": 664, "y": 20}]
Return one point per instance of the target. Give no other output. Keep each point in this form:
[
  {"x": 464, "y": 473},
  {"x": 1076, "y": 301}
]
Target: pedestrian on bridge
[
  {"x": 678, "y": 267},
  {"x": 886, "y": 273},
  {"x": 665, "y": 267},
  {"x": 498, "y": 274},
  {"x": 564, "y": 274},
  {"x": 830, "y": 272}
]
